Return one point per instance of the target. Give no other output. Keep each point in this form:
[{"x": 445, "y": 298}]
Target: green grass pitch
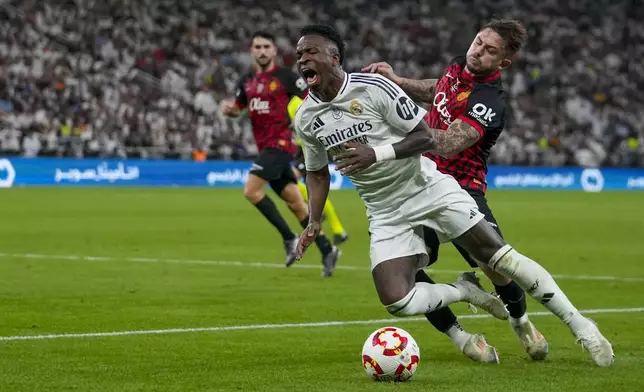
[{"x": 75, "y": 261}]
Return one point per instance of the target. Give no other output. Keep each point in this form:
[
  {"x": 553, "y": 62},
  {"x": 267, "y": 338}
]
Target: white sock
[
  {"x": 458, "y": 335},
  {"x": 539, "y": 284},
  {"x": 424, "y": 298},
  {"x": 518, "y": 321}
]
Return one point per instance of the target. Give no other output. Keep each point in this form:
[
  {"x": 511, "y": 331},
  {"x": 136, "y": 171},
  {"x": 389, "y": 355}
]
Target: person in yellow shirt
[{"x": 331, "y": 216}]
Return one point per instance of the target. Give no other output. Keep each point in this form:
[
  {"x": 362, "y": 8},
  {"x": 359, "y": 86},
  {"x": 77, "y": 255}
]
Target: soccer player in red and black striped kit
[
  {"x": 267, "y": 94},
  {"x": 470, "y": 92}
]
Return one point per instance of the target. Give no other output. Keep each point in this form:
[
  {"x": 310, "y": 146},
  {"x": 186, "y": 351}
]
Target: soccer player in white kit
[{"x": 379, "y": 133}]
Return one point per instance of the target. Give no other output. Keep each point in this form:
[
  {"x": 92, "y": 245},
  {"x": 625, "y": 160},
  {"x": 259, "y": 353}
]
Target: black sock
[
  {"x": 268, "y": 209},
  {"x": 514, "y": 299},
  {"x": 443, "y": 318},
  {"x": 321, "y": 241}
]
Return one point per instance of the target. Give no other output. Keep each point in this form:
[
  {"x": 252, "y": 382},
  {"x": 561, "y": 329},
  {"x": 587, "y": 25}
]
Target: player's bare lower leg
[
  {"x": 483, "y": 243},
  {"x": 474, "y": 346},
  {"x": 295, "y": 202},
  {"x": 293, "y": 198},
  {"x": 403, "y": 296}
]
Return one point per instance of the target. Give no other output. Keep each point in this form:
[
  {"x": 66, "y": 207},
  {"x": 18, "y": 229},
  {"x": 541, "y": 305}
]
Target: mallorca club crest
[
  {"x": 273, "y": 85},
  {"x": 463, "y": 95}
]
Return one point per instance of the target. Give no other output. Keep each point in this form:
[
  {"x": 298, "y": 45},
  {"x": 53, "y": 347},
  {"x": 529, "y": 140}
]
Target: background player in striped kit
[{"x": 267, "y": 94}]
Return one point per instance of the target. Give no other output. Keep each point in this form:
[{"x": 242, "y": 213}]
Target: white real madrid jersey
[{"x": 372, "y": 110}]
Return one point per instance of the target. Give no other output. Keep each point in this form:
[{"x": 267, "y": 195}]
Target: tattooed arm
[
  {"x": 418, "y": 90},
  {"x": 446, "y": 143},
  {"x": 456, "y": 138}
]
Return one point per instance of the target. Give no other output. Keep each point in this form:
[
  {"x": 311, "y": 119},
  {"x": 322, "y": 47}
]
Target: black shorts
[
  {"x": 274, "y": 166},
  {"x": 299, "y": 163},
  {"x": 431, "y": 239}
]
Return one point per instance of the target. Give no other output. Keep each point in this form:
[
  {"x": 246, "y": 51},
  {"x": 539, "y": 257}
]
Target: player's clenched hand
[
  {"x": 307, "y": 237},
  {"x": 357, "y": 157},
  {"x": 229, "y": 108},
  {"x": 383, "y": 69}
]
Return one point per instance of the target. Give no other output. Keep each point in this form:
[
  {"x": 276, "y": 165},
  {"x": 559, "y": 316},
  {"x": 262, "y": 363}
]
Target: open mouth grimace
[{"x": 310, "y": 76}]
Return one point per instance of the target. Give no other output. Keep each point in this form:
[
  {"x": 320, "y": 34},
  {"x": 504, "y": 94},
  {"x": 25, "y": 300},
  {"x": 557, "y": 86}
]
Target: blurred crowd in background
[{"x": 143, "y": 78}]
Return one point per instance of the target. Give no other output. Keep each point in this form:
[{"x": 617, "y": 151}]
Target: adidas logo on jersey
[{"x": 317, "y": 123}]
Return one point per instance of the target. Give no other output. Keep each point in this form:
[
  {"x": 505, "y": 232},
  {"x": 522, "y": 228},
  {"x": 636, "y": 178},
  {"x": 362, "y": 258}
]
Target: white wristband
[{"x": 385, "y": 153}]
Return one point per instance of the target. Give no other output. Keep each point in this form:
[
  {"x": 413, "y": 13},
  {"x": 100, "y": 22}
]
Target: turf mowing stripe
[
  {"x": 273, "y": 265},
  {"x": 389, "y": 321}
]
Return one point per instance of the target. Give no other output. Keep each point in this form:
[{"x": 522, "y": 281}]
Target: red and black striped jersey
[
  {"x": 267, "y": 95},
  {"x": 481, "y": 103}
]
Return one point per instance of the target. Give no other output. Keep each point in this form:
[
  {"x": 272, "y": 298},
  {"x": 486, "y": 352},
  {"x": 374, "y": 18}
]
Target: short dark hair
[
  {"x": 512, "y": 32},
  {"x": 263, "y": 34},
  {"x": 327, "y": 32}
]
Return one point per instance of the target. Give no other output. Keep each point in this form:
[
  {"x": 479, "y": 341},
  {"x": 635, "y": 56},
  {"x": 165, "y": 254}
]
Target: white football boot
[
  {"x": 474, "y": 293},
  {"x": 535, "y": 344},
  {"x": 596, "y": 344},
  {"x": 477, "y": 349}
]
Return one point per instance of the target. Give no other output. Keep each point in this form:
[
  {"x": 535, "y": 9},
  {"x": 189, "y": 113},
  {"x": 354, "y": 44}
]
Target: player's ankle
[
  {"x": 577, "y": 322},
  {"x": 458, "y": 335},
  {"x": 520, "y": 320}
]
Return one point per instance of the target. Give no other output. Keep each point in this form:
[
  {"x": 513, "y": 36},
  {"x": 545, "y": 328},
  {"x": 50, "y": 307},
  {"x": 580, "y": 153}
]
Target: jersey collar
[
  {"x": 268, "y": 71},
  {"x": 486, "y": 79},
  {"x": 345, "y": 82}
]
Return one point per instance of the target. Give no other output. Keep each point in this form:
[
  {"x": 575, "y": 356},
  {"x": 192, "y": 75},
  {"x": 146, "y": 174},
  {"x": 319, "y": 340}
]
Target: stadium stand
[{"x": 117, "y": 78}]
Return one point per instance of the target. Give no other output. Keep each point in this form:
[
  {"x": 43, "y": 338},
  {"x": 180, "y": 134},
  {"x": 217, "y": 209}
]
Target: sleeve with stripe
[
  {"x": 391, "y": 101},
  {"x": 241, "y": 100},
  {"x": 315, "y": 153},
  {"x": 485, "y": 109}
]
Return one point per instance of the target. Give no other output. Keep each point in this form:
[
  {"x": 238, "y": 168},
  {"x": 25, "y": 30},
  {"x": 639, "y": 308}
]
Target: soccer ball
[{"x": 390, "y": 354}]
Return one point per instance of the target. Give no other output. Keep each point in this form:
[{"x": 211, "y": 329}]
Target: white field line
[
  {"x": 389, "y": 321},
  {"x": 273, "y": 265}
]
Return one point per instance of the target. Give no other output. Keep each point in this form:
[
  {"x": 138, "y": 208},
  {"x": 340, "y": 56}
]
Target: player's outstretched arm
[
  {"x": 317, "y": 184},
  {"x": 418, "y": 90},
  {"x": 358, "y": 157},
  {"x": 458, "y": 137},
  {"x": 229, "y": 108}
]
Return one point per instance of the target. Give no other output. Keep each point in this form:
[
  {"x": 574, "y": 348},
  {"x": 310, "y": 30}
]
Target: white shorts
[{"x": 442, "y": 205}]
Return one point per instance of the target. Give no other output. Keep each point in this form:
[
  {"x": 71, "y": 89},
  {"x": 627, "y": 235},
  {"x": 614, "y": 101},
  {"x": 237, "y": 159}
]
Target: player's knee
[
  {"x": 482, "y": 242},
  {"x": 421, "y": 276},
  {"x": 495, "y": 277},
  {"x": 397, "y": 302},
  {"x": 253, "y": 195}
]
